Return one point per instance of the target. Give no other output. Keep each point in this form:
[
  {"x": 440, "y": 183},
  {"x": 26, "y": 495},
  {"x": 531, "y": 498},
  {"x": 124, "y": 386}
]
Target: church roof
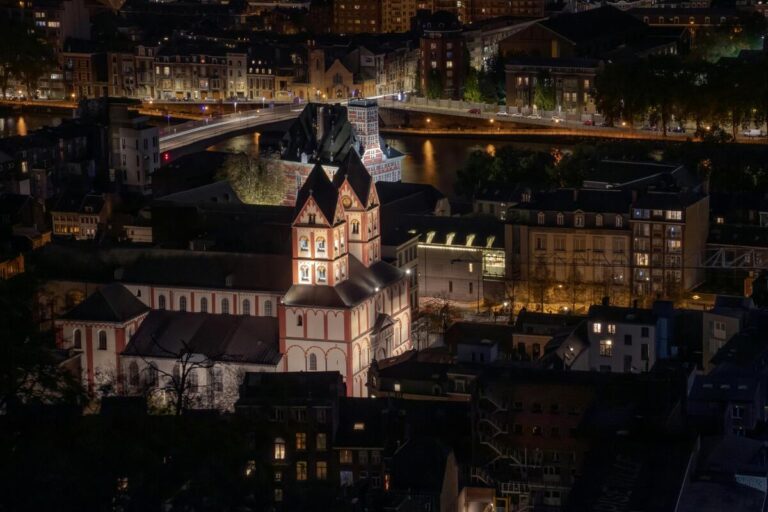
[
  {"x": 111, "y": 303},
  {"x": 356, "y": 174},
  {"x": 320, "y": 188},
  {"x": 362, "y": 283},
  {"x": 335, "y": 140},
  {"x": 235, "y": 338}
]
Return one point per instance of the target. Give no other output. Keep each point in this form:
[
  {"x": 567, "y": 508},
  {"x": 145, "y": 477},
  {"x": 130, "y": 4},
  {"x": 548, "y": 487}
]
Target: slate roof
[
  {"x": 320, "y": 188},
  {"x": 481, "y": 232},
  {"x": 337, "y": 137},
  {"x": 264, "y": 272},
  {"x": 620, "y": 314},
  {"x": 363, "y": 411},
  {"x": 592, "y": 24},
  {"x": 547, "y": 324},
  {"x": 353, "y": 170},
  {"x": 291, "y": 388},
  {"x": 476, "y": 332},
  {"x": 586, "y": 200},
  {"x": 111, "y": 303},
  {"x": 361, "y": 284},
  {"x": 88, "y": 203},
  {"x": 218, "y": 192},
  {"x": 618, "y": 172},
  {"x": 229, "y": 338}
]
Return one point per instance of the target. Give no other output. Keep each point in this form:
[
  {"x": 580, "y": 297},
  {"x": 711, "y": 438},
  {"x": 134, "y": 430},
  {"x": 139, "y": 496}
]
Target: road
[{"x": 180, "y": 135}]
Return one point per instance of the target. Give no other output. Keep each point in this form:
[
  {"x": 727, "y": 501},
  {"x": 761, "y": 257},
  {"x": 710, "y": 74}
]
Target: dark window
[
  {"x": 627, "y": 339},
  {"x": 644, "y": 332},
  {"x": 102, "y": 340},
  {"x": 203, "y": 305},
  {"x": 644, "y": 351},
  {"x": 161, "y": 302},
  {"x": 78, "y": 338},
  {"x": 627, "y": 363},
  {"x": 183, "y": 304}
]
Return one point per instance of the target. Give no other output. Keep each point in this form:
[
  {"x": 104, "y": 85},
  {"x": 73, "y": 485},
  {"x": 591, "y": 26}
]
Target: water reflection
[
  {"x": 434, "y": 160},
  {"x": 21, "y": 127},
  {"x": 11, "y": 125}
]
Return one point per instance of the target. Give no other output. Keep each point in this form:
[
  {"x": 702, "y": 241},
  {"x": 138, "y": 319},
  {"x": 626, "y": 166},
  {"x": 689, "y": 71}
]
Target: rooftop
[{"x": 110, "y": 303}]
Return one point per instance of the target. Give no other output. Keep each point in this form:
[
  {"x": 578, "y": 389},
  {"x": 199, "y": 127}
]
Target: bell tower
[{"x": 364, "y": 116}]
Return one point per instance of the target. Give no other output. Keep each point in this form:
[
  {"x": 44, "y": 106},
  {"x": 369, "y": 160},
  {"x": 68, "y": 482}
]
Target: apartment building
[
  {"x": 442, "y": 54},
  {"x": 357, "y": 17},
  {"x": 80, "y": 217}
]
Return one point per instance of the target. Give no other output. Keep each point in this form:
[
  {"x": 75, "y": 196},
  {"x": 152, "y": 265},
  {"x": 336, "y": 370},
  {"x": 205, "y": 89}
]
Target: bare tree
[
  {"x": 539, "y": 283},
  {"x": 181, "y": 382}
]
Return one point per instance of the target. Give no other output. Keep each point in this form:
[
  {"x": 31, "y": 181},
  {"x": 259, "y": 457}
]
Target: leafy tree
[
  {"x": 435, "y": 87},
  {"x": 472, "y": 86},
  {"x": 544, "y": 92},
  {"x": 29, "y": 370},
  {"x": 35, "y": 59},
  {"x": 255, "y": 182}
]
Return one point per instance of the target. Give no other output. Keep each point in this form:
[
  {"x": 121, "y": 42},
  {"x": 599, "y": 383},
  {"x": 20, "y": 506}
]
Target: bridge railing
[{"x": 224, "y": 120}]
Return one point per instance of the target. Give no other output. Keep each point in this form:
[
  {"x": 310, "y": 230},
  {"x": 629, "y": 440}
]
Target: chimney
[{"x": 606, "y": 301}]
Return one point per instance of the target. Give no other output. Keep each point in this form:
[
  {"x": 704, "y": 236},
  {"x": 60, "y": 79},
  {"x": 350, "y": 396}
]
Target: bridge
[{"x": 177, "y": 136}]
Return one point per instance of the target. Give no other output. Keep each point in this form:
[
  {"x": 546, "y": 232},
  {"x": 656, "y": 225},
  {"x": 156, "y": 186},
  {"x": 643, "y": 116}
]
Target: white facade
[
  {"x": 627, "y": 347},
  {"x": 137, "y": 154}
]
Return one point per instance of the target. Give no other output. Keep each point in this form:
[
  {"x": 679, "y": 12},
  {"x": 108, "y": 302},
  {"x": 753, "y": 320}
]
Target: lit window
[
  {"x": 597, "y": 328},
  {"x": 301, "y": 471},
  {"x": 303, "y": 244},
  {"x": 606, "y": 348},
  {"x": 345, "y": 456},
  {"x": 674, "y": 215},
  {"x": 321, "y": 442},
  {"x": 611, "y": 328},
  {"x": 579, "y": 221},
  {"x": 359, "y": 426},
  {"x": 322, "y": 470},
  {"x": 541, "y": 218},
  {"x": 301, "y": 441},
  {"x": 279, "y": 449}
]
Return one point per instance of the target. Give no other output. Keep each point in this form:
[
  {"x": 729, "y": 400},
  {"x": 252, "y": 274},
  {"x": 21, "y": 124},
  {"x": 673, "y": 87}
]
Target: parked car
[
  {"x": 678, "y": 129},
  {"x": 474, "y": 111},
  {"x": 589, "y": 122},
  {"x": 534, "y": 116},
  {"x": 517, "y": 114},
  {"x": 556, "y": 119},
  {"x": 753, "y": 132},
  {"x": 502, "y": 113}
]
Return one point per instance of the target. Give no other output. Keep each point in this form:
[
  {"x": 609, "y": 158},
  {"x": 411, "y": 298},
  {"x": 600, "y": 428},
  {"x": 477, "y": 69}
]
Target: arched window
[
  {"x": 225, "y": 306},
  {"x": 299, "y": 320},
  {"x": 320, "y": 244},
  {"x": 133, "y": 374},
  {"x": 598, "y": 220},
  {"x": 161, "y": 302},
  {"x": 560, "y": 219},
  {"x": 268, "y": 308},
  {"x": 541, "y": 218},
  {"x": 203, "y": 305},
  {"x": 303, "y": 244},
  {"x": 183, "y": 303},
  {"x": 578, "y": 220},
  {"x": 304, "y": 273},
  {"x": 193, "y": 384},
  {"x": 312, "y": 362},
  {"x": 321, "y": 274},
  {"x": 619, "y": 221},
  {"x": 78, "y": 338},
  {"x": 246, "y": 307},
  {"x": 355, "y": 227},
  {"x": 102, "y": 340},
  {"x": 152, "y": 375}
]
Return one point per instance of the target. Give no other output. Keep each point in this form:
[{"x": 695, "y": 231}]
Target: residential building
[
  {"x": 80, "y": 216},
  {"x": 533, "y": 331},
  {"x": 396, "y": 15},
  {"x": 624, "y": 339},
  {"x": 135, "y": 151},
  {"x": 719, "y": 324},
  {"x": 442, "y": 55},
  {"x": 357, "y": 17}
]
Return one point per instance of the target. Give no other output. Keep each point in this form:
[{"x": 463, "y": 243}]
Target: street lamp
[{"x": 235, "y": 107}]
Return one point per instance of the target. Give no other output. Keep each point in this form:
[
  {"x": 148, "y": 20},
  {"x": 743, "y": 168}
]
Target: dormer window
[
  {"x": 578, "y": 221},
  {"x": 619, "y": 221},
  {"x": 541, "y": 218},
  {"x": 598, "y": 220},
  {"x": 303, "y": 244},
  {"x": 560, "y": 219},
  {"x": 449, "y": 238}
]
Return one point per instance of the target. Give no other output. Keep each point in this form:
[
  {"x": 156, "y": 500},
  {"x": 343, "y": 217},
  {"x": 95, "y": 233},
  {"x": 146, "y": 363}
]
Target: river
[{"x": 431, "y": 160}]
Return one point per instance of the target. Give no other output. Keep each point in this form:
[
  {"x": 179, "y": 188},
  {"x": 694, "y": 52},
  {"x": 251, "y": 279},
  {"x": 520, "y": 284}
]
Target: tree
[
  {"x": 35, "y": 59},
  {"x": 435, "y": 87},
  {"x": 29, "y": 369},
  {"x": 539, "y": 284},
  {"x": 255, "y": 181},
  {"x": 181, "y": 381},
  {"x": 544, "y": 92},
  {"x": 472, "y": 86}
]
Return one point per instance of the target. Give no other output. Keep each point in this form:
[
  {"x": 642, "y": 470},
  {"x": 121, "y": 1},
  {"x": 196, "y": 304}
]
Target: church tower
[
  {"x": 319, "y": 237},
  {"x": 360, "y": 203},
  {"x": 364, "y": 116}
]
